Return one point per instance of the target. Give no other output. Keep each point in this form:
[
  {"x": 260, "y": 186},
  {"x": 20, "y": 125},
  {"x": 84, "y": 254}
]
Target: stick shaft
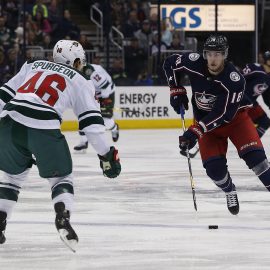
[{"x": 192, "y": 184}]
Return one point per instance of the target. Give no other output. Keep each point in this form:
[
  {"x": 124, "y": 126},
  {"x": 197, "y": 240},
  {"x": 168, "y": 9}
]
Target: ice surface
[{"x": 143, "y": 220}]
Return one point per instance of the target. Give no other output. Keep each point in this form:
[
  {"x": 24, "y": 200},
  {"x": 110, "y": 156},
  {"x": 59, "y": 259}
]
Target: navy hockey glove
[
  {"x": 178, "y": 98},
  {"x": 189, "y": 138},
  {"x": 110, "y": 163}
]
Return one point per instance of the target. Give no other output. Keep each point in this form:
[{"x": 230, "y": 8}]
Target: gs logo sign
[{"x": 182, "y": 17}]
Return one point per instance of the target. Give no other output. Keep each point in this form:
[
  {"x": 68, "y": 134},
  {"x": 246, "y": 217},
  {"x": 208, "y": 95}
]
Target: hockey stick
[{"x": 182, "y": 112}]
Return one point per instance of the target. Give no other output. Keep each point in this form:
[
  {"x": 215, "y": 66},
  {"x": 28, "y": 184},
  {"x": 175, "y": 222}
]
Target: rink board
[{"x": 140, "y": 107}]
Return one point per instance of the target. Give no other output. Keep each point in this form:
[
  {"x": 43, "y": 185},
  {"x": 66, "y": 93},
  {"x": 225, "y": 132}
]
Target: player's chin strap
[{"x": 182, "y": 113}]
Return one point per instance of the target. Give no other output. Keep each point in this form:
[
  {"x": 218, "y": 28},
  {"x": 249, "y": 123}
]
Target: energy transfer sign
[{"x": 147, "y": 107}]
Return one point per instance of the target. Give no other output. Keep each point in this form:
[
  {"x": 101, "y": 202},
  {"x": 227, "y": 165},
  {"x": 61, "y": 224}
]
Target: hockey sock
[
  {"x": 225, "y": 184},
  {"x": 216, "y": 169},
  {"x": 257, "y": 162}
]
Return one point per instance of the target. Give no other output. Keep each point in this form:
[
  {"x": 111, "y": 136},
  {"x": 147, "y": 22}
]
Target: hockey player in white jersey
[
  {"x": 105, "y": 92},
  {"x": 31, "y": 106}
]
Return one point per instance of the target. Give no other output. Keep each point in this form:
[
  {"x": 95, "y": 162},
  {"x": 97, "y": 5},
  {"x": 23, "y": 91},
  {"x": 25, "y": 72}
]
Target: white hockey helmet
[{"x": 67, "y": 51}]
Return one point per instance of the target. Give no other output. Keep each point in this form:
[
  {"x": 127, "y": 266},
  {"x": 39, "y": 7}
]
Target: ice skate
[
  {"x": 232, "y": 202},
  {"x": 115, "y": 133},
  {"x": 3, "y": 223},
  {"x": 82, "y": 146},
  {"x": 66, "y": 232}
]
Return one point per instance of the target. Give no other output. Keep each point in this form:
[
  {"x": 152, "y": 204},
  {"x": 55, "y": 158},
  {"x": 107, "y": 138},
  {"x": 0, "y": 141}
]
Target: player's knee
[
  {"x": 216, "y": 169},
  {"x": 256, "y": 161}
]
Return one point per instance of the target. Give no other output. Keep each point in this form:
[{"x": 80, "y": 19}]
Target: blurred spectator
[
  {"x": 68, "y": 28},
  {"x": 166, "y": 34},
  {"x": 30, "y": 25},
  {"x": 144, "y": 79},
  {"x": 144, "y": 36},
  {"x": 155, "y": 45},
  {"x": 29, "y": 54},
  {"x": 19, "y": 55},
  {"x": 4, "y": 68},
  {"x": 43, "y": 24},
  {"x": 144, "y": 4},
  {"x": 19, "y": 36},
  {"x": 54, "y": 14},
  {"x": 87, "y": 45},
  {"x": 132, "y": 25},
  {"x": 136, "y": 5},
  {"x": 14, "y": 61},
  {"x": 31, "y": 39},
  {"x": 118, "y": 73},
  {"x": 135, "y": 59},
  {"x": 176, "y": 44},
  {"x": 40, "y": 7},
  {"x": 96, "y": 60},
  {"x": 5, "y": 35},
  {"x": 154, "y": 22},
  {"x": 118, "y": 14},
  {"x": 10, "y": 8},
  {"x": 47, "y": 42}
]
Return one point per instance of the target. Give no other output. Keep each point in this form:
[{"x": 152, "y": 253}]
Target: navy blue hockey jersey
[
  {"x": 215, "y": 99},
  {"x": 257, "y": 83}
]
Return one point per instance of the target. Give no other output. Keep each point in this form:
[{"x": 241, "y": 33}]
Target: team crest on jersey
[
  {"x": 234, "y": 76},
  {"x": 204, "y": 101},
  {"x": 88, "y": 71},
  {"x": 259, "y": 89},
  {"x": 193, "y": 56}
]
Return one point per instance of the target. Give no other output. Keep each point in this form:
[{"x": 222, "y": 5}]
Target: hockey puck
[{"x": 213, "y": 227}]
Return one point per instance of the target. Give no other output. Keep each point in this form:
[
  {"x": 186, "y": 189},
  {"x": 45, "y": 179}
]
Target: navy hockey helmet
[
  {"x": 266, "y": 56},
  {"x": 218, "y": 43}
]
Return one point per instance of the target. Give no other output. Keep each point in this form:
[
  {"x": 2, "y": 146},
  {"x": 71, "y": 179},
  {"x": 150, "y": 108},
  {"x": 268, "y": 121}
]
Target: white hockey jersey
[
  {"x": 104, "y": 85},
  {"x": 40, "y": 93}
]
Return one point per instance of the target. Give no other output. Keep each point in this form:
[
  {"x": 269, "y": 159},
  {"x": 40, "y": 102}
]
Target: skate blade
[
  {"x": 83, "y": 151},
  {"x": 71, "y": 244}
]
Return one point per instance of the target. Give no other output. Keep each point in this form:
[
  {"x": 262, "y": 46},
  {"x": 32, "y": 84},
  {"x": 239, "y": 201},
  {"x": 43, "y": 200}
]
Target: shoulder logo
[
  {"x": 234, "y": 76},
  {"x": 178, "y": 60},
  {"x": 87, "y": 71},
  {"x": 193, "y": 56}
]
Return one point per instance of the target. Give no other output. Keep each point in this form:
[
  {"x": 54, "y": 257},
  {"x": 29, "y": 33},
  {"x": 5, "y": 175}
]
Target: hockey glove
[
  {"x": 110, "y": 163},
  {"x": 189, "y": 138},
  {"x": 178, "y": 98},
  {"x": 106, "y": 107}
]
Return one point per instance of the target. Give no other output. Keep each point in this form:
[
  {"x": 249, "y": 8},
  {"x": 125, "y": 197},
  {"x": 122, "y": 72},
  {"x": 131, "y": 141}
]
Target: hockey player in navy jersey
[
  {"x": 258, "y": 83},
  {"x": 31, "y": 106},
  {"x": 217, "y": 93}
]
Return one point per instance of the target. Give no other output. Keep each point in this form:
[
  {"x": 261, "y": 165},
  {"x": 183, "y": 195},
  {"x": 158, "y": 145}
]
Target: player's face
[{"x": 215, "y": 61}]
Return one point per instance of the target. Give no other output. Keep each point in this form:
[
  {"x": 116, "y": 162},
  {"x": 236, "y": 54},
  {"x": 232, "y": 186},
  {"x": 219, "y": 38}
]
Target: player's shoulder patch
[
  {"x": 234, "y": 76},
  {"x": 193, "y": 56},
  {"x": 88, "y": 70}
]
